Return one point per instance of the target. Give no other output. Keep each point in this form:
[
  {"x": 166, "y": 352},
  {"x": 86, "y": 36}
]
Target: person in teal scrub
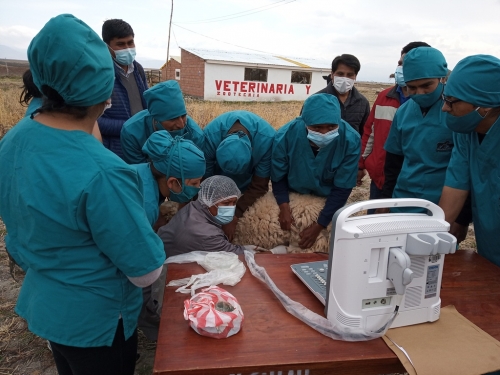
[
  {"x": 166, "y": 111},
  {"x": 419, "y": 144},
  {"x": 472, "y": 111},
  {"x": 175, "y": 169},
  {"x": 238, "y": 144},
  {"x": 317, "y": 153},
  {"x": 73, "y": 210}
]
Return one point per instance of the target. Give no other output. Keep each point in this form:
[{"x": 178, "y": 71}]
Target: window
[
  {"x": 177, "y": 74},
  {"x": 254, "y": 74},
  {"x": 301, "y": 77}
]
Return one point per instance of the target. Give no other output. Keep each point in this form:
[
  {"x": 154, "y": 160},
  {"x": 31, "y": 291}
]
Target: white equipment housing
[{"x": 375, "y": 260}]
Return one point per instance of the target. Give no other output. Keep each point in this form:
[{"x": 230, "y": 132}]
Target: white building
[{"x": 234, "y": 76}]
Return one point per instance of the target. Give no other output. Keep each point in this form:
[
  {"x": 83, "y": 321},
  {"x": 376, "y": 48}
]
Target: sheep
[{"x": 260, "y": 226}]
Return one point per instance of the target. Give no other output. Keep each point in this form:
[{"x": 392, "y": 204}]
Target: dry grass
[{"x": 21, "y": 352}]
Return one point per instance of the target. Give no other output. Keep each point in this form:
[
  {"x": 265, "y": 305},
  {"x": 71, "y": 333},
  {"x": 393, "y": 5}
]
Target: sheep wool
[{"x": 260, "y": 226}]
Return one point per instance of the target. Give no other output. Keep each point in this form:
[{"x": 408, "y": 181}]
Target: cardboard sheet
[{"x": 451, "y": 345}]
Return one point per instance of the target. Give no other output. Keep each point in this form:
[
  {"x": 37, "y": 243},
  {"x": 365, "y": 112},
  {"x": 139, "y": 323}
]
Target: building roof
[
  {"x": 242, "y": 58},
  {"x": 176, "y": 58}
]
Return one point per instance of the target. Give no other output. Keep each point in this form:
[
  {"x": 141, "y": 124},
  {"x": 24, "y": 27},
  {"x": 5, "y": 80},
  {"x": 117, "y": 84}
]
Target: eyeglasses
[{"x": 450, "y": 102}]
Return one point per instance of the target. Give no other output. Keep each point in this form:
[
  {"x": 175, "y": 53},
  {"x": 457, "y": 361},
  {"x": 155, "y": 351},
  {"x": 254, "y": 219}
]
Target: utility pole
[{"x": 168, "y": 44}]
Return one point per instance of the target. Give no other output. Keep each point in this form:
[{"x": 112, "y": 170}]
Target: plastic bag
[
  {"x": 214, "y": 313},
  {"x": 313, "y": 320},
  {"x": 224, "y": 268}
]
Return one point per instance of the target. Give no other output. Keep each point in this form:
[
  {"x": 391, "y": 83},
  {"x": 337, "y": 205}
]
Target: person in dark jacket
[
  {"x": 376, "y": 128},
  {"x": 354, "y": 107},
  {"x": 130, "y": 83}
]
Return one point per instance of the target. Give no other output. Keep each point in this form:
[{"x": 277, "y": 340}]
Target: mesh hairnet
[{"x": 216, "y": 189}]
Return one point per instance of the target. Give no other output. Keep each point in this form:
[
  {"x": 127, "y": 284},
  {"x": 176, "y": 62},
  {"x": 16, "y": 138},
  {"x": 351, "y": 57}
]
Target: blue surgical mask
[
  {"x": 427, "y": 100},
  {"x": 464, "y": 124},
  {"x": 225, "y": 214},
  {"x": 398, "y": 74},
  {"x": 187, "y": 193},
  {"x": 322, "y": 140},
  {"x": 125, "y": 56}
]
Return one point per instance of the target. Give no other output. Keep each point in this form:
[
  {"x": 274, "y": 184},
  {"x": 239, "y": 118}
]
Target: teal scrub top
[
  {"x": 475, "y": 167},
  {"x": 261, "y": 136},
  {"x": 137, "y": 129},
  {"x": 334, "y": 165},
  {"x": 151, "y": 191},
  {"x": 74, "y": 214},
  {"x": 33, "y": 106},
  {"x": 426, "y": 144}
]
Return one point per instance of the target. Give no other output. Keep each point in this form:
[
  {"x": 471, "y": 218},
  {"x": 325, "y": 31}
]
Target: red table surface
[{"x": 273, "y": 341}]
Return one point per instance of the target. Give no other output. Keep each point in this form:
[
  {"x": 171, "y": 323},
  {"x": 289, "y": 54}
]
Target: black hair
[
  {"x": 54, "y": 103},
  {"x": 346, "y": 59},
  {"x": 29, "y": 89},
  {"x": 413, "y": 45},
  {"x": 115, "y": 28}
]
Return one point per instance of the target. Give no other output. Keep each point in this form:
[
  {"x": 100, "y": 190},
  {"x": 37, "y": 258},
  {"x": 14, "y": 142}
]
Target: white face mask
[{"x": 342, "y": 84}]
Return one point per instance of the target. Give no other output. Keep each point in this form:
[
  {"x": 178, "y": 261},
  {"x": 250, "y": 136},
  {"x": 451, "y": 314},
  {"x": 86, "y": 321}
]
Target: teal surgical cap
[
  {"x": 174, "y": 157},
  {"x": 424, "y": 62},
  {"x": 476, "y": 80},
  {"x": 234, "y": 153},
  {"x": 71, "y": 58},
  {"x": 165, "y": 101},
  {"x": 321, "y": 109}
]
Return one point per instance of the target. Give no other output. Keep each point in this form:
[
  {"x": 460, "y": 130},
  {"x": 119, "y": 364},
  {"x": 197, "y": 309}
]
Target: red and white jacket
[{"x": 376, "y": 130}]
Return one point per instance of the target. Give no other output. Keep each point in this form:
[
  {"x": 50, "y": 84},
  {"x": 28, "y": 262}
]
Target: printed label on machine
[{"x": 432, "y": 281}]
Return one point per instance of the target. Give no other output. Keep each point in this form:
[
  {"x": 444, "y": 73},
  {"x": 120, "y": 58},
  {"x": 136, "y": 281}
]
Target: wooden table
[{"x": 273, "y": 342}]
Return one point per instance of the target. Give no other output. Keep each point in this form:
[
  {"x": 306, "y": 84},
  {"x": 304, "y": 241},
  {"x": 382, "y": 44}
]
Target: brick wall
[
  {"x": 192, "y": 74},
  {"x": 172, "y": 65}
]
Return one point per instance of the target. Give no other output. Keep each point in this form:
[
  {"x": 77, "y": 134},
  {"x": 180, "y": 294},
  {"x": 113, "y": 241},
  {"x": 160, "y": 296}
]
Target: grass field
[{"x": 21, "y": 352}]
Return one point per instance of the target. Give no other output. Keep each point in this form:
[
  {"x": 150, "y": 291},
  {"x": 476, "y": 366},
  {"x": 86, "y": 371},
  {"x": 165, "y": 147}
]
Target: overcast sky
[{"x": 373, "y": 30}]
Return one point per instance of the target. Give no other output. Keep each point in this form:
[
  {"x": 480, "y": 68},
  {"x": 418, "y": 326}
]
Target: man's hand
[
  {"x": 459, "y": 231},
  {"x": 230, "y": 228},
  {"x": 361, "y": 174},
  {"x": 309, "y": 235},
  {"x": 285, "y": 218},
  {"x": 384, "y": 210}
]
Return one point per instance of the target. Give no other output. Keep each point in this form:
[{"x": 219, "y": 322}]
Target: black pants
[{"x": 118, "y": 359}]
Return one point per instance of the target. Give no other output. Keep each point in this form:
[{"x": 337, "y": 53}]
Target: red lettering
[
  {"x": 284, "y": 89},
  {"x": 244, "y": 86},
  {"x": 235, "y": 84},
  {"x": 279, "y": 88},
  {"x": 218, "y": 92},
  {"x": 218, "y": 84},
  {"x": 257, "y": 95},
  {"x": 263, "y": 87},
  {"x": 224, "y": 93},
  {"x": 226, "y": 86},
  {"x": 245, "y": 94},
  {"x": 290, "y": 90},
  {"x": 308, "y": 87},
  {"x": 251, "y": 87},
  {"x": 228, "y": 94},
  {"x": 239, "y": 94},
  {"x": 271, "y": 89}
]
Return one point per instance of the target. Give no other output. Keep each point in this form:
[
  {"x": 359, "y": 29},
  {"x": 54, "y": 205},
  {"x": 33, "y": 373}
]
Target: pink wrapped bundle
[{"x": 214, "y": 313}]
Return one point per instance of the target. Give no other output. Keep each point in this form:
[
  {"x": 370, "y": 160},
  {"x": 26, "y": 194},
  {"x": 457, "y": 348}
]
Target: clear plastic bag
[
  {"x": 315, "y": 321},
  {"x": 224, "y": 268}
]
